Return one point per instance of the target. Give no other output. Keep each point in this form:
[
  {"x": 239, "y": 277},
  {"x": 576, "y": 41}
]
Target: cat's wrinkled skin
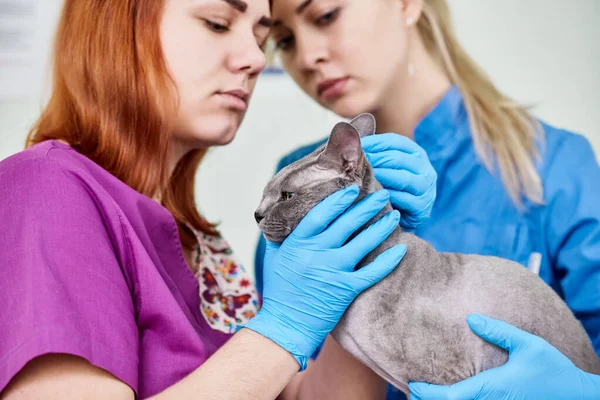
[{"x": 412, "y": 326}]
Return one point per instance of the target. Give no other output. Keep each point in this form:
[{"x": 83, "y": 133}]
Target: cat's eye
[{"x": 285, "y": 196}]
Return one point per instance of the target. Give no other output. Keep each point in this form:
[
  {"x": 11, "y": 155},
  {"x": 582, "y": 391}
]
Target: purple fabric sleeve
[{"x": 62, "y": 288}]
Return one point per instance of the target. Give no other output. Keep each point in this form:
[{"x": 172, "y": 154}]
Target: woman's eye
[
  {"x": 263, "y": 46},
  {"x": 328, "y": 18},
  {"x": 215, "y": 27},
  {"x": 285, "y": 196},
  {"x": 262, "y": 43},
  {"x": 285, "y": 43}
]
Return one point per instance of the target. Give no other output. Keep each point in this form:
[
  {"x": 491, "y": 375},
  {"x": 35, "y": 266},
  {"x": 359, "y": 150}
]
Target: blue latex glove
[
  {"x": 535, "y": 370},
  {"x": 403, "y": 168},
  {"x": 309, "y": 280}
]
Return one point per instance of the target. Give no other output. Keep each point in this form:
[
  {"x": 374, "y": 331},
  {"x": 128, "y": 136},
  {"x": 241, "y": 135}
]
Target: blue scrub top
[{"x": 473, "y": 212}]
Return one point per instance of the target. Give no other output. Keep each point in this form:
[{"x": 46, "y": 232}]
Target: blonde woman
[{"x": 508, "y": 185}]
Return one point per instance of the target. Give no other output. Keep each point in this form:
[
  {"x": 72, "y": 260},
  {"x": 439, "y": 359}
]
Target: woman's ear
[{"x": 412, "y": 10}]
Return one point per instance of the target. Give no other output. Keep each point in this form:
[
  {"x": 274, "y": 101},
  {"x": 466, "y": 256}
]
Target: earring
[{"x": 409, "y": 21}]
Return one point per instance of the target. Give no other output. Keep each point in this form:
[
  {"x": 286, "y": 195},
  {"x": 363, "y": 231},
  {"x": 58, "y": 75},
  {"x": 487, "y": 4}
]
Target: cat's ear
[
  {"x": 343, "y": 149},
  {"x": 364, "y": 124}
]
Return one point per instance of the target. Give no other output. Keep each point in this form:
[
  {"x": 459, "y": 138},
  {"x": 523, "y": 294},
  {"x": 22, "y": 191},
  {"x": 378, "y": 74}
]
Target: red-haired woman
[{"x": 111, "y": 283}]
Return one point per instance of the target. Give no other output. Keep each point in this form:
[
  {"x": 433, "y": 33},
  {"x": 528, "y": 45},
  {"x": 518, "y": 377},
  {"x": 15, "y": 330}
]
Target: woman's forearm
[
  {"x": 249, "y": 366},
  {"x": 335, "y": 375}
]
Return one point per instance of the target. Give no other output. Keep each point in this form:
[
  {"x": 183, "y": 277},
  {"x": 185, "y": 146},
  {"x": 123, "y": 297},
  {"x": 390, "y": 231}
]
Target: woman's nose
[
  {"x": 311, "y": 52},
  {"x": 249, "y": 58}
]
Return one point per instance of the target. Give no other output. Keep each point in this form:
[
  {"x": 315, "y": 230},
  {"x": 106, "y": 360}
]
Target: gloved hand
[
  {"x": 535, "y": 370},
  {"x": 309, "y": 280},
  {"x": 403, "y": 168}
]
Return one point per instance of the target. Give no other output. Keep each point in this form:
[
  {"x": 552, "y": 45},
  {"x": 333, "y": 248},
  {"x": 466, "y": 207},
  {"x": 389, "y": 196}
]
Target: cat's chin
[{"x": 277, "y": 239}]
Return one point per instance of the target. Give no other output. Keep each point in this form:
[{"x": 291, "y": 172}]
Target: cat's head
[{"x": 297, "y": 188}]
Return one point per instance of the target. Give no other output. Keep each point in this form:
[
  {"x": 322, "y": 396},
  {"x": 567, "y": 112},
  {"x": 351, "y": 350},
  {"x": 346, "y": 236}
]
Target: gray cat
[{"x": 411, "y": 326}]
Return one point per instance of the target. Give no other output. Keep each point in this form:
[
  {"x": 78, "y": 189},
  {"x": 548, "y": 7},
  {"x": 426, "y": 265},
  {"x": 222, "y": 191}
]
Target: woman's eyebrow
[
  {"x": 303, "y": 6},
  {"x": 242, "y": 7},
  {"x": 237, "y": 4},
  {"x": 299, "y": 10}
]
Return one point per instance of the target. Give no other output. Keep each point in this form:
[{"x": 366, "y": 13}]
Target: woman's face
[
  {"x": 345, "y": 54},
  {"x": 213, "y": 51}
]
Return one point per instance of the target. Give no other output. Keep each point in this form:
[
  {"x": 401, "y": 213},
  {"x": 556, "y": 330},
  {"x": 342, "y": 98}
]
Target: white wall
[{"x": 542, "y": 52}]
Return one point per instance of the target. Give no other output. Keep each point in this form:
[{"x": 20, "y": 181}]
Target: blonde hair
[{"x": 502, "y": 130}]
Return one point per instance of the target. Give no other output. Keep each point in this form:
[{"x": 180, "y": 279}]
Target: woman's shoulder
[
  {"x": 562, "y": 140},
  {"x": 48, "y": 160},
  {"x": 58, "y": 191},
  {"x": 48, "y": 188},
  {"x": 39, "y": 172},
  {"x": 57, "y": 172},
  {"x": 562, "y": 149},
  {"x": 568, "y": 164}
]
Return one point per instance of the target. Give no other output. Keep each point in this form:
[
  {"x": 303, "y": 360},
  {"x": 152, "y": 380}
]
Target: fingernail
[
  {"x": 402, "y": 249},
  {"x": 398, "y": 252},
  {"x": 351, "y": 190},
  {"x": 474, "y": 319},
  {"x": 376, "y": 197},
  {"x": 392, "y": 218},
  {"x": 382, "y": 194}
]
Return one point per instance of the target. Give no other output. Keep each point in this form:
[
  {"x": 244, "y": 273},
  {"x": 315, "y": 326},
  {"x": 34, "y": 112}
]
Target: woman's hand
[
  {"x": 535, "y": 370},
  {"x": 309, "y": 280},
  {"x": 403, "y": 168}
]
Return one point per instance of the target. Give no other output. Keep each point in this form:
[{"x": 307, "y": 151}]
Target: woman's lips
[
  {"x": 332, "y": 88},
  {"x": 235, "y": 99}
]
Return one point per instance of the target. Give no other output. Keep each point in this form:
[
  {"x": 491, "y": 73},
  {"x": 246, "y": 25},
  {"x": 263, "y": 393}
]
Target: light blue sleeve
[{"x": 571, "y": 223}]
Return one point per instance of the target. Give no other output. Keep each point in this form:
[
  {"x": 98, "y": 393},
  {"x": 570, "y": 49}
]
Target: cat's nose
[{"x": 258, "y": 217}]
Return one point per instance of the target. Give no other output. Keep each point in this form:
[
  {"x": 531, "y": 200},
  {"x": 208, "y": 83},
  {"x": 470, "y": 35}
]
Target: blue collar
[{"x": 445, "y": 127}]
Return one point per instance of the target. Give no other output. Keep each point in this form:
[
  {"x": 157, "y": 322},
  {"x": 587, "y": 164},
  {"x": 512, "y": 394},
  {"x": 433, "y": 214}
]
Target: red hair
[{"x": 114, "y": 102}]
